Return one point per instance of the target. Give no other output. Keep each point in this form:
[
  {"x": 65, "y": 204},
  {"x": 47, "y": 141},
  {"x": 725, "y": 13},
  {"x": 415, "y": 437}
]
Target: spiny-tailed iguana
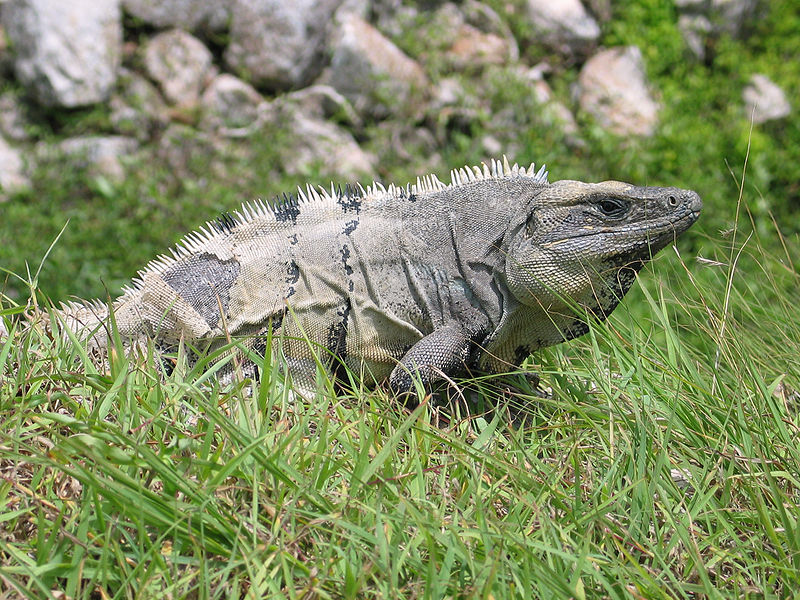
[{"x": 402, "y": 282}]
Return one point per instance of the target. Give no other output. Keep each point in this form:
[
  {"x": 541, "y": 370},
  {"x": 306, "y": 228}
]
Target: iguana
[{"x": 416, "y": 281}]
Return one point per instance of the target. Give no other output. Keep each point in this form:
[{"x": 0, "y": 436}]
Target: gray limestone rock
[
  {"x": 278, "y": 45},
  {"x": 101, "y": 155},
  {"x": 563, "y": 25},
  {"x": 230, "y": 104},
  {"x": 695, "y": 29},
  {"x": 317, "y": 143},
  {"x": 764, "y": 100},
  {"x": 701, "y": 20},
  {"x": 12, "y": 171},
  {"x": 370, "y": 71},
  {"x": 180, "y": 64},
  {"x": 324, "y": 102},
  {"x": 552, "y": 110},
  {"x": 613, "y": 88},
  {"x": 66, "y": 53},
  {"x": 137, "y": 109},
  {"x": 13, "y": 120},
  {"x": 191, "y": 15}
]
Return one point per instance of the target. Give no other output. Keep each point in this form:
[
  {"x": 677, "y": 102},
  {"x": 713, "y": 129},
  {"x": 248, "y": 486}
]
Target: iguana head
[{"x": 583, "y": 243}]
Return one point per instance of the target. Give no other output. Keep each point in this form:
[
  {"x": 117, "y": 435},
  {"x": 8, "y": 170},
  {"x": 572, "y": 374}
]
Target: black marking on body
[
  {"x": 336, "y": 341},
  {"x": 345, "y": 252},
  {"x": 225, "y": 223},
  {"x": 575, "y": 330},
  {"x": 286, "y": 208},
  {"x": 348, "y": 270},
  {"x": 293, "y": 239},
  {"x": 349, "y": 200},
  {"x": 276, "y": 321},
  {"x": 259, "y": 349},
  {"x": 292, "y": 277},
  {"x": 606, "y": 298},
  {"x": 350, "y": 226},
  {"x": 521, "y": 352},
  {"x": 204, "y": 282},
  {"x": 617, "y": 285},
  {"x": 412, "y": 197}
]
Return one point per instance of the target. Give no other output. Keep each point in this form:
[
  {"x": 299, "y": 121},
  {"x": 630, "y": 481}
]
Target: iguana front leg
[{"x": 444, "y": 351}]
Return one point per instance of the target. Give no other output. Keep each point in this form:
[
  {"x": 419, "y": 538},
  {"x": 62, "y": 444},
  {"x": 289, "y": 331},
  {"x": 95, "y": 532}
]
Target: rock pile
[{"x": 195, "y": 76}]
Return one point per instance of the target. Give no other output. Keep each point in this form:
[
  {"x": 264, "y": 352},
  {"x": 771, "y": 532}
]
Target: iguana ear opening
[{"x": 531, "y": 225}]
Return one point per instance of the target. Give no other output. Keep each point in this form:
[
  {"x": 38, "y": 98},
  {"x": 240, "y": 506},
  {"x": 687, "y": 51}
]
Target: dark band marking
[
  {"x": 349, "y": 200},
  {"x": 521, "y": 352},
  {"x": 286, "y": 208},
  {"x": 337, "y": 338},
  {"x": 204, "y": 282},
  {"x": 292, "y": 277},
  {"x": 350, "y": 226},
  {"x": 225, "y": 223}
]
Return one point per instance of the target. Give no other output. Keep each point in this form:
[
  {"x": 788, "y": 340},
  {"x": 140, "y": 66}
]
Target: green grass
[{"x": 665, "y": 465}]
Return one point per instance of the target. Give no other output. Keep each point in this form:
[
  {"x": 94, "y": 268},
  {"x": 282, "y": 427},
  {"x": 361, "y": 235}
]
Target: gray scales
[{"x": 420, "y": 281}]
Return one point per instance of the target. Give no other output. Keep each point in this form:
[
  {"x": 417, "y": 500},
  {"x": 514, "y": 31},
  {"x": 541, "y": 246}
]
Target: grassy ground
[{"x": 665, "y": 464}]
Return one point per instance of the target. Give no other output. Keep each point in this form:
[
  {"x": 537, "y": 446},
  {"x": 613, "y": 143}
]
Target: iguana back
[{"x": 422, "y": 280}]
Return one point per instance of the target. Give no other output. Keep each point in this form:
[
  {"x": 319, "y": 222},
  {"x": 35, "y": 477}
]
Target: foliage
[{"x": 664, "y": 464}]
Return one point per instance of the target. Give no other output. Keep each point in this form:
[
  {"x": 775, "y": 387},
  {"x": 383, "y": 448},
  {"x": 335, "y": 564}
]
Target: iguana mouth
[{"x": 645, "y": 231}]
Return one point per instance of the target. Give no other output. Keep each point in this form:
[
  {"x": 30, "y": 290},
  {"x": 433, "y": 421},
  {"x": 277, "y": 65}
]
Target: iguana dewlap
[{"x": 403, "y": 282}]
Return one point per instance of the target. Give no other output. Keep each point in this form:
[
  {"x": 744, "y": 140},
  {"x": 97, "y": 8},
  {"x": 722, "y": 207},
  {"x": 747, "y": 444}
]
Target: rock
[
  {"x": 474, "y": 48},
  {"x": 180, "y": 64},
  {"x": 230, "y": 104},
  {"x": 448, "y": 91},
  {"x": 66, "y": 53},
  {"x": 191, "y": 15},
  {"x": 602, "y": 10},
  {"x": 563, "y": 25},
  {"x": 100, "y": 155},
  {"x": 324, "y": 102},
  {"x": 13, "y": 121},
  {"x": 452, "y": 108},
  {"x": 392, "y": 17},
  {"x": 137, "y": 109},
  {"x": 485, "y": 19},
  {"x": 278, "y": 45},
  {"x": 703, "y": 20},
  {"x": 12, "y": 171},
  {"x": 491, "y": 145},
  {"x": 313, "y": 143},
  {"x": 467, "y": 37},
  {"x": 553, "y": 111},
  {"x": 370, "y": 71},
  {"x": 764, "y": 100},
  {"x": 733, "y": 16},
  {"x": 612, "y": 87},
  {"x": 695, "y": 30}
]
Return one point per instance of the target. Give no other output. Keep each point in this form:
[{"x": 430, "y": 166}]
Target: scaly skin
[{"x": 416, "y": 281}]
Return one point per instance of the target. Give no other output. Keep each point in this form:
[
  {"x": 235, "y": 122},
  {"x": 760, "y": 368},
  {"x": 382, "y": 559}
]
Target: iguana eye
[{"x": 613, "y": 208}]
